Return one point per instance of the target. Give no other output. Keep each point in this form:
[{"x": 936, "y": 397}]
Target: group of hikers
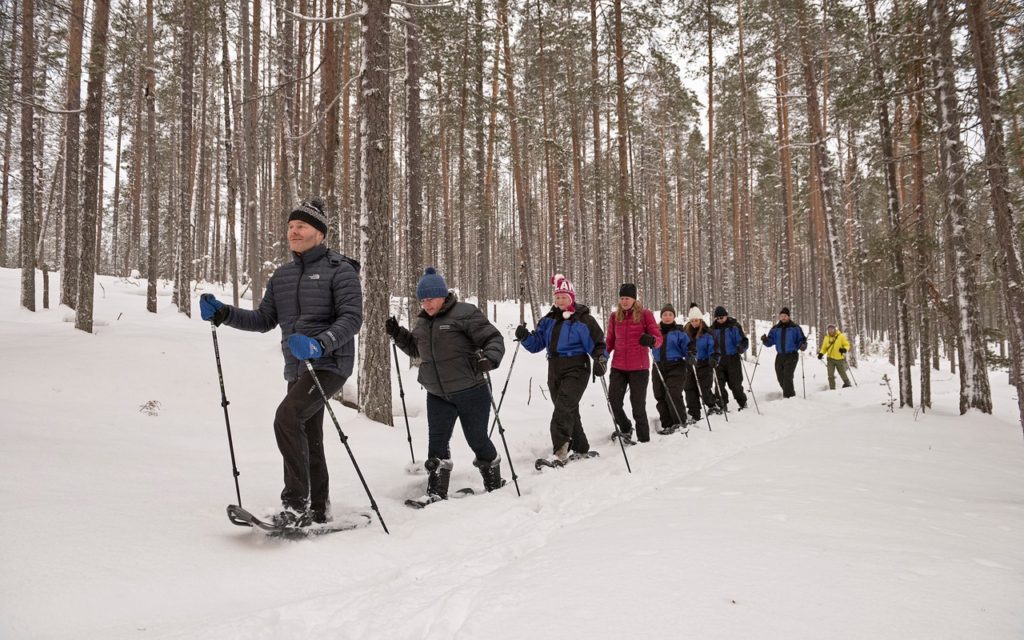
[{"x": 316, "y": 299}]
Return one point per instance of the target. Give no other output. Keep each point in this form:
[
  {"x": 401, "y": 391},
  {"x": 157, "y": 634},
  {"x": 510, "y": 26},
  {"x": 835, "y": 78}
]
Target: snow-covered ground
[{"x": 822, "y": 518}]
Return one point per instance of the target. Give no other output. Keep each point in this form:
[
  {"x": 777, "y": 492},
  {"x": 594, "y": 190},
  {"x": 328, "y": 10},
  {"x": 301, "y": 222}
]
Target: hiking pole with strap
[
  {"x": 671, "y": 402},
  {"x": 803, "y": 378},
  {"x": 401, "y": 393},
  {"x": 501, "y": 429},
  {"x": 344, "y": 441},
  {"x": 700, "y": 394},
  {"x": 227, "y": 423},
  {"x": 503, "y": 389},
  {"x": 618, "y": 434},
  {"x": 750, "y": 385}
]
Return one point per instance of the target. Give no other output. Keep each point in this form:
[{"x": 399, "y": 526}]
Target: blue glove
[
  {"x": 212, "y": 309},
  {"x": 304, "y": 347}
]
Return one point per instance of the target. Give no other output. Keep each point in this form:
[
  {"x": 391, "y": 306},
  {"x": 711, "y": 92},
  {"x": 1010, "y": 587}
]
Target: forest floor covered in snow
[{"x": 828, "y": 517}]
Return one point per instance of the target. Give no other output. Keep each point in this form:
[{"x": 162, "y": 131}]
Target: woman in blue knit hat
[{"x": 456, "y": 345}]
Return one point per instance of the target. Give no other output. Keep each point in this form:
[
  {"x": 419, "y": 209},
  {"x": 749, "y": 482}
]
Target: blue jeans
[{"x": 472, "y": 407}]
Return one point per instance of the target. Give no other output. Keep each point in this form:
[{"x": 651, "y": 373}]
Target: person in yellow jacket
[{"x": 835, "y": 345}]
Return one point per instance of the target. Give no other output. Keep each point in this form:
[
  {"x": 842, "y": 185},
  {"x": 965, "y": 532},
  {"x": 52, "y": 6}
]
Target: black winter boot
[
  {"x": 491, "y": 473},
  {"x": 440, "y": 473}
]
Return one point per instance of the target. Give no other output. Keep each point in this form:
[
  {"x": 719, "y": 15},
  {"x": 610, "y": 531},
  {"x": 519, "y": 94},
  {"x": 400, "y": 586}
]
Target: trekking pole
[
  {"x": 700, "y": 394},
  {"x": 803, "y": 378},
  {"x": 721, "y": 395},
  {"x": 750, "y": 385},
  {"x": 757, "y": 360},
  {"x": 618, "y": 434},
  {"x": 344, "y": 441},
  {"x": 401, "y": 393},
  {"x": 671, "y": 402},
  {"x": 849, "y": 370},
  {"x": 503, "y": 389},
  {"x": 501, "y": 431},
  {"x": 227, "y": 422}
]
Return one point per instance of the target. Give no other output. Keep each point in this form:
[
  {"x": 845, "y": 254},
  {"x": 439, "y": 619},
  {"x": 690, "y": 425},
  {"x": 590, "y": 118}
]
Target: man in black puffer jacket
[
  {"x": 317, "y": 301},
  {"x": 456, "y": 345}
]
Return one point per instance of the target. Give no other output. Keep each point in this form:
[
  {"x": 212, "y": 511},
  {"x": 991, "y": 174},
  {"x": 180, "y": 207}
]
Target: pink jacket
[{"x": 624, "y": 339}]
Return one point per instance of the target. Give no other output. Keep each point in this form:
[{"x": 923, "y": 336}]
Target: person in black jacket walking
[
  {"x": 731, "y": 343},
  {"x": 317, "y": 301},
  {"x": 456, "y": 345}
]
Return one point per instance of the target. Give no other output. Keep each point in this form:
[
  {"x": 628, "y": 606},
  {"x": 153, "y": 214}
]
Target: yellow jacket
[{"x": 830, "y": 345}]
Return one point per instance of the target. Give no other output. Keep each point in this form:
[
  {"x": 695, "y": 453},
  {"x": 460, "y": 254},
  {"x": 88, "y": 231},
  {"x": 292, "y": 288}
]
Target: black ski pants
[
  {"x": 471, "y": 407},
  {"x": 704, "y": 377},
  {"x": 785, "y": 368},
  {"x": 636, "y": 382},
  {"x": 567, "y": 380},
  {"x": 730, "y": 374},
  {"x": 299, "y": 429},
  {"x": 670, "y": 394}
]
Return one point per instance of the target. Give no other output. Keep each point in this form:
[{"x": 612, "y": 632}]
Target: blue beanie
[{"x": 431, "y": 285}]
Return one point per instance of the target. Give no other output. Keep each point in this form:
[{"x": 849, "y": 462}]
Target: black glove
[
  {"x": 842, "y": 350},
  {"x": 600, "y": 366},
  {"x": 522, "y": 333},
  {"x": 647, "y": 340},
  {"x": 764, "y": 340},
  {"x": 715, "y": 359},
  {"x": 391, "y": 327},
  {"x": 803, "y": 346},
  {"x": 482, "y": 363},
  {"x": 820, "y": 356},
  {"x": 743, "y": 346},
  {"x": 691, "y": 360}
]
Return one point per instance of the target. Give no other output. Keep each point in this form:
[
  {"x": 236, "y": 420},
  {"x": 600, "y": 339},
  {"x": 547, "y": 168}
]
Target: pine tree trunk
[
  {"x": 185, "y": 176},
  {"x": 375, "y": 358},
  {"x": 622, "y": 200},
  {"x": 92, "y": 159},
  {"x": 28, "y": 196},
  {"x": 905, "y": 358},
  {"x": 824, "y": 176},
  {"x": 229, "y": 155},
  {"x": 1007, "y": 232},
  {"x": 789, "y": 266},
  {"x": 250, "y": 66},
  {"x": 483, "y": 212},
  {"x": 414, "y": 161},
  {"x": 597, "y": 266},
  {"x": 152, "y": 174},
  {"x": 329, "y": 99},
  {"x": 72, "y": 196}
]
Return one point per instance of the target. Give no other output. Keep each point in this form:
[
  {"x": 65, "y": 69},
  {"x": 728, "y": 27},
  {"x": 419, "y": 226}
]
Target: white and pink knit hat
[{"x": 562, "y": 285}]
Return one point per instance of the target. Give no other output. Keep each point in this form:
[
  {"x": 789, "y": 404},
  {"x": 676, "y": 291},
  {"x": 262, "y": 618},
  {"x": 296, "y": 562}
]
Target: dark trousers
[
  {"x": 567, "y": 380},
  {"x": 471, "y": 407},
  {"x": 785, "y": 367},
  {"x": 671, "y": 408},
  {"x": 299, "y": 429},
  {"x": 636, "y": 381},
  {"x": 704, "y": 377},
  {"x": 730, "y": 374}
]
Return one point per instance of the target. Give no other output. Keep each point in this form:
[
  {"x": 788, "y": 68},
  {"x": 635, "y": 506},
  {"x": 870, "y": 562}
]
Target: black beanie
[
  {"x": 785, "y": 310},
  {"x": 668, "y": 307},
  {"x": 628, "y": 290},
  {"x": 312, "y": 213},
  {"x": 720, "y": 312}
]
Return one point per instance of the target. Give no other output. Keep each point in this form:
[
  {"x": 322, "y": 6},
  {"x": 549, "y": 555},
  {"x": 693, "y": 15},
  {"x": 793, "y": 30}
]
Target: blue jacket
[
  {"x": 786, "y": 338},
  {"x": 578, "y": 335},
  {"x": 701, "y": 341},
  {"x": 729, "y": 337},
  {"x": 317, "y": 294},
  {"x": 675, "y": 346}
]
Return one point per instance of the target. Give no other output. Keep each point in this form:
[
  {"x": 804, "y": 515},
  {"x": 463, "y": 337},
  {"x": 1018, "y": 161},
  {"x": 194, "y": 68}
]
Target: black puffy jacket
[
  {"x": 447, "y": 344},
  {"x": 317, "y": 294}
]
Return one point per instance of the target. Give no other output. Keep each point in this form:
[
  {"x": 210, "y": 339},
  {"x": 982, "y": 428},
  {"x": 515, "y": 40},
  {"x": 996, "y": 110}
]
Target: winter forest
[{"x": 860, "y": 162}]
